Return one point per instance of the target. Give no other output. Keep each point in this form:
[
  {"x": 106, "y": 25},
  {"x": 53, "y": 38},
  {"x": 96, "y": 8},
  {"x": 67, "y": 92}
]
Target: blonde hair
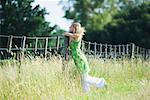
[{"x": 78, "y": 28}]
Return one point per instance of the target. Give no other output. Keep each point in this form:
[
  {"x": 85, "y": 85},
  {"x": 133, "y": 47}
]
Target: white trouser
[{"x": 89, "y": 80}]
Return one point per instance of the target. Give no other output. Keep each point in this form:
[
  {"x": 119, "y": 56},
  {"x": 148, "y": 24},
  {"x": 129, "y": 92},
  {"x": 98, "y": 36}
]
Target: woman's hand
[{"x": 65, "y": 34}]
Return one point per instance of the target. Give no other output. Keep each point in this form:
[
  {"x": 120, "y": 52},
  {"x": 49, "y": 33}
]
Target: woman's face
[{"x": 71, "y": 29}]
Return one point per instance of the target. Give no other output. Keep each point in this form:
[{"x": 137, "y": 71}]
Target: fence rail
[{"x": 59, "y": 44}]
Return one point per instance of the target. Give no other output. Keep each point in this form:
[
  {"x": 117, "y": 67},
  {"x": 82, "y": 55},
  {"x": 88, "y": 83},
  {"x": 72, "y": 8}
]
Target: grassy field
[{"x": 38, "y": 79}]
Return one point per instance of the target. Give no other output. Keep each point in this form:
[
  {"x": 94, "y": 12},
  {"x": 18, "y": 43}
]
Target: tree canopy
[
  {"x": 19, "y": 17},
  {"x": 112, "y": 21}
]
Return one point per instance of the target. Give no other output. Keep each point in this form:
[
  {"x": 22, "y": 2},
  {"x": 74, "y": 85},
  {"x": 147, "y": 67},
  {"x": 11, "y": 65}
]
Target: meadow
[{"x": 40, "y": 79}]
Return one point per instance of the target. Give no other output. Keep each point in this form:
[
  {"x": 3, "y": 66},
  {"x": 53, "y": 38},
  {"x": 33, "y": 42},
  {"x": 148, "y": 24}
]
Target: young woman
[{"x": 75, "y": 36}]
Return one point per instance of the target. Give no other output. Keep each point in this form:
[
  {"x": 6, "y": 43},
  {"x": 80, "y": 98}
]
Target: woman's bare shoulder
[{"x": 77, "y": 36}]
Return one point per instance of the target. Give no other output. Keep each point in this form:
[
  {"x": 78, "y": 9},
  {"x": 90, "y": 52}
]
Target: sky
[{"x": 55, "y": 11}]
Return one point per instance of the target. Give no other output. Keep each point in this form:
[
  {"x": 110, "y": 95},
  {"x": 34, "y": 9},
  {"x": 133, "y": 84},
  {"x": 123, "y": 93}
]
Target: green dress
[{"x": 79, "y": 57}]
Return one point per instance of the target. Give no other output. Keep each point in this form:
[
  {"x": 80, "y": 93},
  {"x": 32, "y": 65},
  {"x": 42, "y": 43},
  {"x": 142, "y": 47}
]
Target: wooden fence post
[
  {"x": 57, "y": 43},
  {"x": 144, "y": 52},
  {"x": 66, "y": 51},
  {"x": 137, "y": 51},
  {"x": 89, "y": 44},
  {"x": 132, "y": 50},
  {"x": 123, "y": 47},
  {"x": 50, "y": 54},
  {"x": 95, "y": 50},
  {"x": 127, "y": 49},
  {"x": 140, "y": 52},
  {"x": 23, "y": 44},
  {"x": 149, "y": 53},
  {"x": 105, "y": 50},
  {"x": 23, "y": 47},
  {"x": 46, "y": 44},
  {"x": 119, "y": 49},
  {"x": 111, "y": 51},
  {"x": 115, "y": 49},
  {"x": 36, "y": 44},
  {"x": 100, "y": 50},
  {"x": 10, "y": 43}
]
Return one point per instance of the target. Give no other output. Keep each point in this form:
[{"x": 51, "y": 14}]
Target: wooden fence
[
  {"x": 47, "y": 45},
  {"x": 33, "y": 45},
  {"x": 98, "y": 50}
]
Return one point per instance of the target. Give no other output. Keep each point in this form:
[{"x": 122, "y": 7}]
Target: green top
[{"x": 79, "y": 57}]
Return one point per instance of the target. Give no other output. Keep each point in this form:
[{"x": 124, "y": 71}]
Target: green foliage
[
  {"x": 131, "y": 25},
  {"x": 113, "y": 21},
  {"x": 89, "y": 12},
  {"x": 21, "y": 18}
]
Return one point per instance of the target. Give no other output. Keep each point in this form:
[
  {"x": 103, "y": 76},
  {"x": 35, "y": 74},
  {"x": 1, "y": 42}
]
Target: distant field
[{"x": 38, "y": 79}]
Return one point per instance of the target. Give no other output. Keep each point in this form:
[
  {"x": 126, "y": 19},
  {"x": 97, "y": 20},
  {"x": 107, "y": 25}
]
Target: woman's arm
[
  {"x": 68, "y": 34},
  {"x": 72, "y": 35}
]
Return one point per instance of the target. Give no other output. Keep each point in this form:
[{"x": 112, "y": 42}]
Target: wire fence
[{"x": 47, "y": 46}]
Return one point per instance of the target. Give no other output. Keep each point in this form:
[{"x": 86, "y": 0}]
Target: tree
[
  {"x": 20, "y": 18},
  {"x": 77, "y": 11},
  {"x": 95, "y": 14},
  {"x": 92, "y": 14},
  {"x": 131, "y": 25},
  {"x": 112, "y": 21}
]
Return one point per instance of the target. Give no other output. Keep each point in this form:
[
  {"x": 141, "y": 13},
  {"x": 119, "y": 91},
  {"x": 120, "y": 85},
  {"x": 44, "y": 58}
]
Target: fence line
[
  {"x": 96, "y": 50},
  {"x": 115, "y": 51}
]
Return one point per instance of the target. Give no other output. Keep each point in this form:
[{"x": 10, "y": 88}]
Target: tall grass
[{"x": 44, "y": 79}]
